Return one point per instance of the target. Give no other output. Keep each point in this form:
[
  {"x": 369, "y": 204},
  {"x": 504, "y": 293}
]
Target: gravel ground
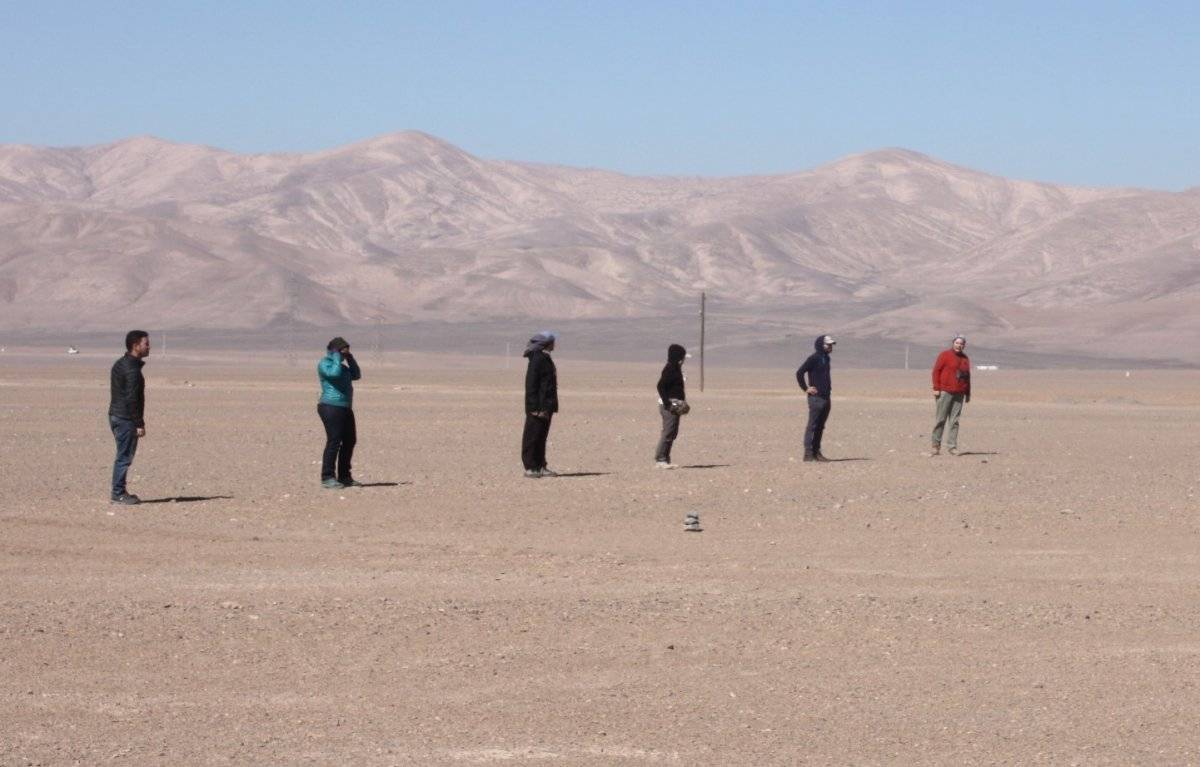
[{"x": 1033, "y": 601}]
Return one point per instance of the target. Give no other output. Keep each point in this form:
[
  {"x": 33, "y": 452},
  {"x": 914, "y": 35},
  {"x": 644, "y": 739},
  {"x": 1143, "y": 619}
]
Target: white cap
[{"x": 829, "y": 340}]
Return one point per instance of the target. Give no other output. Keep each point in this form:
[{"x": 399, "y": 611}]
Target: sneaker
[
  {"x": 331, "y": 484},
  {"x": 350, "y": 483},
  {"x": 665, "y": 465},
  {"x": 548, "y": 472},
  {"x": 953, "y": 451},
  {"x": 809, "y": 457},
  {"x": 533, "y": 474},
  {"x": 126, "y": 499},
  {"x": 935, "y": 451},
  {"x": 819, "y": 457}
]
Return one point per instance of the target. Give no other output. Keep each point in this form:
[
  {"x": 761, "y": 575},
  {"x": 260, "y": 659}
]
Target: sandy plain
[{"x": 1034, "y": 601}]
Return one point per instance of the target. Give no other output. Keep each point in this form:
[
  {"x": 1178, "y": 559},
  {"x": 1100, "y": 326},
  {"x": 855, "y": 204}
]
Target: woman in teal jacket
[{"x": 337, "y": 372}]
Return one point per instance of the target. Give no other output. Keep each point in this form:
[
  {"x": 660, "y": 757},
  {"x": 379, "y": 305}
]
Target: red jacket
[{"x": 952, "y": 373}]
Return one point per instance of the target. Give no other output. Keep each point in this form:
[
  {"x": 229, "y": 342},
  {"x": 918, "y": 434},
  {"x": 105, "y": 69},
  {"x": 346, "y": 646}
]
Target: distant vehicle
[
  {"x": 72, "y": 350},
  {"x": 987, "y": 367}
]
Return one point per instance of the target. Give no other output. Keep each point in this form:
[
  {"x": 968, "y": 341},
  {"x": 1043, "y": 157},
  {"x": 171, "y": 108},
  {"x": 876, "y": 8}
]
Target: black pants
[
  {"x": 340, "y": 436},
  {"x": 533, "y": 442},
  {"x": 818, "y": 414}
]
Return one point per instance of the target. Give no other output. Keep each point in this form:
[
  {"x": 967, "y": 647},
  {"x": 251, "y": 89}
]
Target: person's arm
[
  {"x": 664, "y": 385},
  {"x": 533, "y": 387},
  {"x": 547, "y": 388},
  {"x": 134, "y": 400},
  {"x": 352, "y": 366},
  {"x": 937, "y": 370},
  {"x": 967, "y": 362},
  {"x": 331, "y": 367},
  {"x": 804, "y": 369}
]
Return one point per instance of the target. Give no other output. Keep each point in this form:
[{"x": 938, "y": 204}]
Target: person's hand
[
  {"x": 141, "y": 432},
  {"x": 540, "y": 414},
  {"x": 936, "y": 394},
  {"x": 811, "y": 390},
  {"x": 968, "y": 399}
]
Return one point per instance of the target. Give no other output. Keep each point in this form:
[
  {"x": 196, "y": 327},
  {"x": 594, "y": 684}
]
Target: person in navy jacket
[{"x": 814, "y": 378}]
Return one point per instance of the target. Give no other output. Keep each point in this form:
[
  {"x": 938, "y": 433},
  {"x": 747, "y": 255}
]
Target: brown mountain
[{"x": 404, "y": 227}]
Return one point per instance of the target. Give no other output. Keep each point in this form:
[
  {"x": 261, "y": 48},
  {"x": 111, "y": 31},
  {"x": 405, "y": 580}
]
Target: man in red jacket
[{"x": 951, "y": 389}]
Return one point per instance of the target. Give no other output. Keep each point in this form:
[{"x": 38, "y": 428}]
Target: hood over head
[
  {"x": 823, "y": 339},
  {"x": 676, "y": 353},
  {"x": 336, "y": 344},
  {"x": 539, "y": 342}
]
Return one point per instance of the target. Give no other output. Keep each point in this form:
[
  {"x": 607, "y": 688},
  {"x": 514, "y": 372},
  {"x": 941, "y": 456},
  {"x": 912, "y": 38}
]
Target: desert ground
[{"x": 1033, "y": 601}]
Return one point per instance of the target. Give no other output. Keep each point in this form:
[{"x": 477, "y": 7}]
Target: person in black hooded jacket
[
  {"x": 815, "y": 379},
  {"x": 541, "y": 403},
  {"x": 670, "y": 391}
]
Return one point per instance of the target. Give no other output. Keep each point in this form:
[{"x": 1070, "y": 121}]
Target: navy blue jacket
[{"x": 816, "y": 367}]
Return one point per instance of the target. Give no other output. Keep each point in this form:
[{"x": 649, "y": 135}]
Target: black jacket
[
  {"x": 816, "y": 367},
  {"x": 670, "y": 383},
  {"x": 127, "y": 387},
  {"x": 541, "y": 383}
]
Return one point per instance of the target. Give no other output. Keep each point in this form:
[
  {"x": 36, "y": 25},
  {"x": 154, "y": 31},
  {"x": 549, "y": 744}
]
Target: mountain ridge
[{"x": 890, "y": 243}]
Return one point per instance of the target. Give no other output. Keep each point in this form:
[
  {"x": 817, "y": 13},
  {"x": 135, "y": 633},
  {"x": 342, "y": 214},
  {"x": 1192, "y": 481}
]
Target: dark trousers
[
  {"x": 818, "y": 414},
  {"x": 670, "y": 430},
  {"x": 125, "y": 432},
  {"x": 340, "y": 436},
  {"x": 533, "y": 442}
]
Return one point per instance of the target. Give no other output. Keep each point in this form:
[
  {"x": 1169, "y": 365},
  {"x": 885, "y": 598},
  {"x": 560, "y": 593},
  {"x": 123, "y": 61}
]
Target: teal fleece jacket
[{"x": 337, "y": 380}]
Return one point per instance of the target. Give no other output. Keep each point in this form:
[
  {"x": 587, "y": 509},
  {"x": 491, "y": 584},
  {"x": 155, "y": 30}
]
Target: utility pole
[
  {"x": 906, "y": 355},
  {"x": 164, "y": 349},
  {"x": 703, "y": 301},
  {"x": 292, "y": 300},
  {"x": 378, "y": 341}
]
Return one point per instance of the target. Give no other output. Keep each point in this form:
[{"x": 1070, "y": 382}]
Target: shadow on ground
[{"x": 187, "y": 499}]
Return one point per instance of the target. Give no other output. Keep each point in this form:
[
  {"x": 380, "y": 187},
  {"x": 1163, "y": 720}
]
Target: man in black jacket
[
  {"x": 541, "y": 403},
  {"x": 670, "y": 391},
  {"x": 126, "y": 409},
  {"x": 818, "y": 387}
]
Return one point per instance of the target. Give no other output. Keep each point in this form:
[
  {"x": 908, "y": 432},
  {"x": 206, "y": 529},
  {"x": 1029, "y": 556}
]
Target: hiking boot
[
  {"x": 548, "y": 472},
  {"x": 808, "y": 456},
  {"x": 126, "y": 499},
  {"x": 331, "y": 484},
  {"x": 935, "y": 451},
  {"x": 350, "y": 483},
  {"x": 953, "y": 451},
  {"x": 533, "y": 474},
  {"x": 819, "y": 457}
]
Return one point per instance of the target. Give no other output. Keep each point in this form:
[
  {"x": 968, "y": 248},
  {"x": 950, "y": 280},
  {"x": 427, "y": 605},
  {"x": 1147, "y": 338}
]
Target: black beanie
[
  {"x": 337, "y": 344},
  {"x": 676, "y": 353}
]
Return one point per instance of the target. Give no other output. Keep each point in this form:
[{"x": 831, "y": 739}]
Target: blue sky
[{"x": 1094, "y": 93}]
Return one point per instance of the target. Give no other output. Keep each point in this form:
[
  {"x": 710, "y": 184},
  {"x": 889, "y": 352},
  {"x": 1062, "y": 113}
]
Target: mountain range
[{"x": 890, "y": 244}]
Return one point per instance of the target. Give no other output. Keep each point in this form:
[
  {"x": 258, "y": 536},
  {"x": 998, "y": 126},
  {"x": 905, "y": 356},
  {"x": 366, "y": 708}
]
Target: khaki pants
[{"x": 949, "y": 407}]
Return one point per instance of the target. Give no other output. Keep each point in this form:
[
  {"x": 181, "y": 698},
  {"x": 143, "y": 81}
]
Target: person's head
[
  {"x": 137, "y": 343},
  {"x": 543, "y": 341},
  {"x": 676, "y": 353},
  {"x": 338, "y": 344},
  {"x": 824, "y": 343},
  {"x": 959, "y": 343}
]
